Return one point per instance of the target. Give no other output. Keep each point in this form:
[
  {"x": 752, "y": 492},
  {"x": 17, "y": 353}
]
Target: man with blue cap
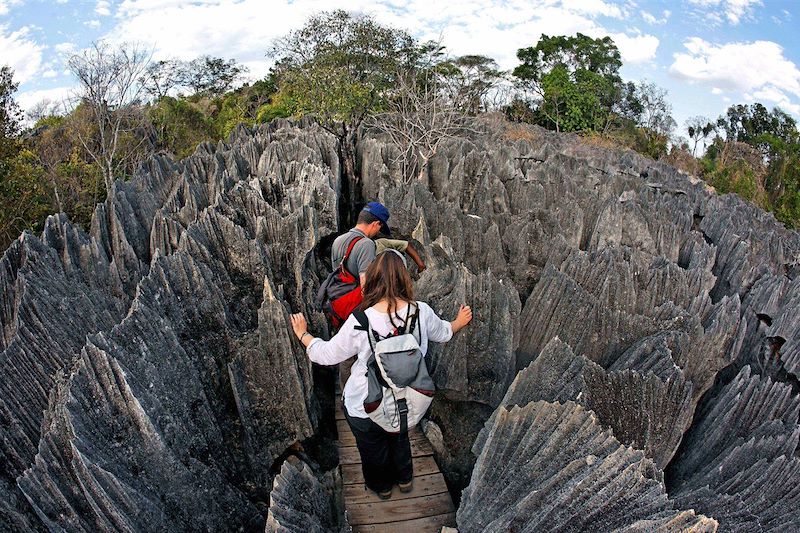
[
  {"x": 372, "y": 220},
  {"x": 351, "y": 254}
]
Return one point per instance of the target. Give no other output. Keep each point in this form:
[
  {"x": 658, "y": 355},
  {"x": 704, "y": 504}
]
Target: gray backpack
[{"x": 400, "y": 390}]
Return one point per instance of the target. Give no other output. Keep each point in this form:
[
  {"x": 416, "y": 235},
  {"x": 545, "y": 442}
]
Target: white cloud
[
  {"x": 594, "y": 8},
  {"x": 778, "y": 98},
  {"x": 653, "y": 20},
  {"x": 103, "y": 8},
  {"x": 734, "y": 10},
  {"x": 637, "y": 49},
  {"x": 21, "y": 52},
  {"x": 58, "y": 95},
  {"x": 758, "y": 69},
  {"x": 215, "y": 27},
  {"x": 92, "y": 23},
  {"x": 6, "y": 5},
  {"x": 66, "y": 48},
  {"x": 736, "y": 66},
  {"x": 182, "y": 29},
  {"x": 737, "y": 9}
]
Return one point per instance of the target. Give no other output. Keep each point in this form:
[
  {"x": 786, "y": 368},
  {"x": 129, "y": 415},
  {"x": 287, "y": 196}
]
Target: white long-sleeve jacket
[{"x": 349, "y": 342}]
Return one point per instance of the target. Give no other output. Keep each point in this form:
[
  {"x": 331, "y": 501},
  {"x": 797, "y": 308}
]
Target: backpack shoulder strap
[
  {"x": 361, "y": 318},
  {"x": 413, "y": 326},
  {"x": 350, "y": 247},
  {"x": 363, "y": 325}
]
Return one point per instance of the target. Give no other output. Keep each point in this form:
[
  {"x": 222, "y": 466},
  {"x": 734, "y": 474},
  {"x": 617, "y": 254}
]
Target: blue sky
[{"x": 708, "y": 54}]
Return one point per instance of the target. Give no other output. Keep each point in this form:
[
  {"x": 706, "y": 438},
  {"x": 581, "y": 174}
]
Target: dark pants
[{"x": 385, "y": 457}]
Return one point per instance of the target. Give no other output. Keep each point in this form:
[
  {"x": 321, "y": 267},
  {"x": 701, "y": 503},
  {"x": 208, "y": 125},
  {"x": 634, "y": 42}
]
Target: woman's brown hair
[{"x": 387, "y": 277}]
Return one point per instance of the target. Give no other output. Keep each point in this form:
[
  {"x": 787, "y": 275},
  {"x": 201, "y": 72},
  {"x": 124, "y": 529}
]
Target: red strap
[{"x": 350, "y": 247}]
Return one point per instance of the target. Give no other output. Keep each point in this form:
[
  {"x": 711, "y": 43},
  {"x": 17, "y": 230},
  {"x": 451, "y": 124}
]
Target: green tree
[
  {"x": 159, "y": 77},
  {"x": 180, "y": 126},
  {"x": 10, "y": 117},
  {"x": 10, "y": 112},
  {"x": 211, "y": 76},
  {"x": 469, "y": 80},
  {"x": 24, "y": 203},
  {"x": 699, "y": 129},
  {"x": 645, "y": 107},
  {"x": 773, "y": 138},
  {"x": 340, "y": 67},
  {"x": 757, "y": 126},
  {"x": 783, "y": 184},
  {"x": 22, "y": 200},
  {"x": 575, "y": 78}
]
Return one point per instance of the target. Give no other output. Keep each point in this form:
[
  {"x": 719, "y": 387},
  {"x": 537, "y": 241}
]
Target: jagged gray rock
[
  {"x": 492, "y": 333},
  {"x": 738, "y": 462},
  {"x": 635, "y": 265},
  {"x": 685, "y": 521},
  {"x": 747, "y": 406},
  {"x": 551, "y": 466},
  {"x": 642, "y": 410},
  {"x": 301, "y": 502},
  {"x": 603, "y": 303},
  {"x": 42, "y": 287},
  {"x": 151, "y": 355},
  {"x": 188, "y": 382}
]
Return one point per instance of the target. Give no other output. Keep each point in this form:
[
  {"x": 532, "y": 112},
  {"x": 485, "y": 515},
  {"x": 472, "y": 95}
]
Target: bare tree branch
[
  {"x": 419, "y": 119},
  {"x": 110, "y": 81}
]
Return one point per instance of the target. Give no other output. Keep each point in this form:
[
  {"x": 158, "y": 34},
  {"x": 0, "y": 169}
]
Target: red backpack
[{"x": 340, "y": 293}]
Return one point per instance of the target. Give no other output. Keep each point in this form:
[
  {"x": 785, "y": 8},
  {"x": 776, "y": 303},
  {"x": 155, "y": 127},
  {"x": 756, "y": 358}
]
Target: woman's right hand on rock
[
  {"x": 463, "y": 318},
  {"x": 299, "y": 325}
]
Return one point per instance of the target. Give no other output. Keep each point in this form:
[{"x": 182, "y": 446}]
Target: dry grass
[
  {"x": 682, "y": 160},
  {"x": 519, "y": 131},
  {"x": 602, "y": 141}
]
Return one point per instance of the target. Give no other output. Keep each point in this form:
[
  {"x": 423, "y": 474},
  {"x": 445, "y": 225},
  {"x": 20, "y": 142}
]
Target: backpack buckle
[{"x": 402, "y": 406}]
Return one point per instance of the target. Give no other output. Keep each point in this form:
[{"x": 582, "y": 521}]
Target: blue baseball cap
[{"x": 381, "y": 213}]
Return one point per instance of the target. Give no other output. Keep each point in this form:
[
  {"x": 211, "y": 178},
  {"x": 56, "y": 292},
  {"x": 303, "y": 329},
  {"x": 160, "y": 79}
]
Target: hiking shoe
[
  {"x": 383, "y": 495},
  {"x": 406, "y": 487}
]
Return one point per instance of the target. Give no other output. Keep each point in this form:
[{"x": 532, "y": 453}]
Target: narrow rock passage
[{"x": 427, "y": 507}]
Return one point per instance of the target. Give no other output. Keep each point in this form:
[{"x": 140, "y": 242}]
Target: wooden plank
[
  {"x": 351, "y": 474},
  {"x": 346, "y": 437},
  {"x": 423, "y": 486},
  {"x": 429, "y": 524},
  {"x": 349, "y": 455},
  {"x": 343, "y": 427},
  {"x": 397, "y": 510}
]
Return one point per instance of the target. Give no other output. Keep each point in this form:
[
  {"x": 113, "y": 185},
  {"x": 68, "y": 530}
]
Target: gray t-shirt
[{"x": 360, "y": 258}]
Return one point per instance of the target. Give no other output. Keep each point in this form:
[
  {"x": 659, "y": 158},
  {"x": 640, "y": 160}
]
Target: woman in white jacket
[{"x": 388, "y": 290}]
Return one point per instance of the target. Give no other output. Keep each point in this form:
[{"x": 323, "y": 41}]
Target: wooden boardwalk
[{"x": 426, "y": 508}]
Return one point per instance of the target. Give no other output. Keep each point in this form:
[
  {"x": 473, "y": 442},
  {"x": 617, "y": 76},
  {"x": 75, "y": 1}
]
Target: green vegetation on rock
[{"x": 347, "y": 70}]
